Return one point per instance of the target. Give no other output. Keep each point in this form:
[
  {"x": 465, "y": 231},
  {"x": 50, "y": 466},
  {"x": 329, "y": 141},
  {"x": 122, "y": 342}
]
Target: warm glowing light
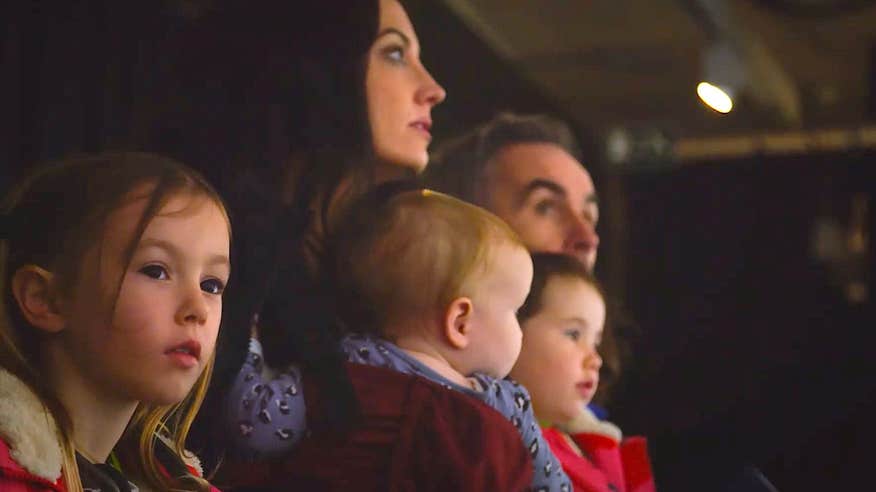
[{"x": 715, "y": 97}]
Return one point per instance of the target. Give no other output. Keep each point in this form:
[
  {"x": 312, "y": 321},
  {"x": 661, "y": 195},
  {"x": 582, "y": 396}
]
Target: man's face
[{"x": 547, "y": 197}]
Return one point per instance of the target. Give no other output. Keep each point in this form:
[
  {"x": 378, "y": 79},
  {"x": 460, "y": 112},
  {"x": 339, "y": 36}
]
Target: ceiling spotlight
[
  {"x": 717, "y": 98},
  {"x": 724, "y": 75}
]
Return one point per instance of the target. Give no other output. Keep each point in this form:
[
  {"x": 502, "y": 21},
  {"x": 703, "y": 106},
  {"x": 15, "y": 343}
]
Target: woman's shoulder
[
  {"x": 404, "y": 418},
  {"x": 404, "y": 435}
]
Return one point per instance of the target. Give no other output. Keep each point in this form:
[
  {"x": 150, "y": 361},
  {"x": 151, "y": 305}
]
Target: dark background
[{"x": 746, "y": 347}]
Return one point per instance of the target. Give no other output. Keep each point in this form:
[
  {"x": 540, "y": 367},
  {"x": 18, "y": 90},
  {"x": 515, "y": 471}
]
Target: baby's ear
[
  {"x": 458, "y": 319},
  {"x": 33, "y": 291}
]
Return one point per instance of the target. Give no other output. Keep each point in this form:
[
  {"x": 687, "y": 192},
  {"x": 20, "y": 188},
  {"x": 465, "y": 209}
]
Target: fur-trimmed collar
[
  {"x": 586, "y": 421},
  {"x": 189, "y": 458},
  {"x": 28, "y": 429},
  {"x": 32, "y": 434}
]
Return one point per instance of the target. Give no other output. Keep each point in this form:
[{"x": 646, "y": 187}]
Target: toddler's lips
[{"x": 586, "y": 389}]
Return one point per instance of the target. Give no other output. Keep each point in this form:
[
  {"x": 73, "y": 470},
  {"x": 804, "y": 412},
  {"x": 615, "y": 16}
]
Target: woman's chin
[{"x": 401, "y": 167}]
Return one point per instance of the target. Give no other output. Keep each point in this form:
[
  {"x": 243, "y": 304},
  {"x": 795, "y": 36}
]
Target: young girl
[
  {"x": 113, "y": 268},
  {"x": 562, "y": 321}
]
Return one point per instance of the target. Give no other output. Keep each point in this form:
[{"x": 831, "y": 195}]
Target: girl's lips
[
  {"x": 183, "y": 359},
  {"x": 186, "y": 354}
]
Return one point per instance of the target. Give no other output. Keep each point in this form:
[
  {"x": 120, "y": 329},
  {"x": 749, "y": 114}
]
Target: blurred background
[{"x": 737, "y": 245}]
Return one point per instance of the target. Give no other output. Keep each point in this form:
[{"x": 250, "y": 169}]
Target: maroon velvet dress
[{"x": 414, "y": 435}]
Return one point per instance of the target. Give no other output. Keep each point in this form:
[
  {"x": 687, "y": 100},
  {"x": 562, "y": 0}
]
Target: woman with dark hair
[
  {"x": 294, "y": 111},
  {"x": 292, "y": 108},
  {"x": 270, "y": 99}
]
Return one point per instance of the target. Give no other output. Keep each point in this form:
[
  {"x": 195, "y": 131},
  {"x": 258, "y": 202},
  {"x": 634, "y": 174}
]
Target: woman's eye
[
  {"x": 213, "y": 286},
  {"x": 574, "y": 334},
  {"x": 395, "y": 54},
  {"x": 156, "y": 272}
]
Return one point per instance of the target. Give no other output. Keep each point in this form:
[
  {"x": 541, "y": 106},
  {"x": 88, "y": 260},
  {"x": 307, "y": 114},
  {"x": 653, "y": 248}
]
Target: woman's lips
[{"x": 423, "y": 127}]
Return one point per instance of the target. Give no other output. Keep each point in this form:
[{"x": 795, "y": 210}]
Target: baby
[
  {"x": 431, "y": 286},
  {"x": 426, "y": 285}
]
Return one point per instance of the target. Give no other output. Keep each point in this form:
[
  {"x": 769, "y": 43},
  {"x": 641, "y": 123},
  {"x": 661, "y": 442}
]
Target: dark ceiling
[{"x": 607, "y": 63}]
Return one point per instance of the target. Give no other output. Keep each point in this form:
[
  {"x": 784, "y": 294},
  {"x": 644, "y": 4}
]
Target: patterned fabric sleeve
[
  {"x": 265, "y": 409},
  {"x": 513, "y": 400}
]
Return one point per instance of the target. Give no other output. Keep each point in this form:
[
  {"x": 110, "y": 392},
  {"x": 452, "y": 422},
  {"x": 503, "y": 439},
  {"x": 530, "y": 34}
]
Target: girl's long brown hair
[{"x": 50, "y": 220}]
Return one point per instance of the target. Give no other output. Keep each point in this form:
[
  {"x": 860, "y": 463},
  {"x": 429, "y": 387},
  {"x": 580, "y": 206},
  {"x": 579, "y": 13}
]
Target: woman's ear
[
  {"x": 458, "y": 319},
  {"x": 33, "y": 291}
]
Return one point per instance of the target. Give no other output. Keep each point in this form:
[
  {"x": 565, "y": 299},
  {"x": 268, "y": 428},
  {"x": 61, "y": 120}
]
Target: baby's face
[
  {"x": 559, "y": 363},
  {"x": 498, "y": 294}
]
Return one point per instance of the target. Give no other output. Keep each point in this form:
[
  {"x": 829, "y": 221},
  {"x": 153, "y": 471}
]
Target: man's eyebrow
[
  {"x": 592, "y": 198},
  {"x": 391, "y": 30},
  {"x": 537, "y": 184}
]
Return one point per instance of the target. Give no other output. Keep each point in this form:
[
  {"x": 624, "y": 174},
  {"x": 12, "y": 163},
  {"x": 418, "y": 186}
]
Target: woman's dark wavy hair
[{"x": 267, "y": 98}]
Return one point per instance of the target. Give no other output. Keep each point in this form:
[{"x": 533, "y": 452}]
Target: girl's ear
[
  {"x": 33, "y": 292},
  {"x": 458, "y": 321}
]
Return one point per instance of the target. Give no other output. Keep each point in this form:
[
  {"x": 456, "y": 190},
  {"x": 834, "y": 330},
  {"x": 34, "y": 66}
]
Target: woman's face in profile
[{"x": 400, "y": 92}]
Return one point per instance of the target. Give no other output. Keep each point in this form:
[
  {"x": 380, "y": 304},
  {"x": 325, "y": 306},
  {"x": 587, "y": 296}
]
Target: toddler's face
[
  {"x": 499, "y": 293},
  {"x": 559, "y": 363}
]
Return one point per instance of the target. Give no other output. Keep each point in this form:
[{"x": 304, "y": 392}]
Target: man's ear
[
  {"x": 33, "y": 290},
  {"x": 458, "y": 322}
]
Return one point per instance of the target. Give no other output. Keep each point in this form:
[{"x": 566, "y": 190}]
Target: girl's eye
[
  {"x": 574, "y": 334},
  {"x": 156, "y": 272},
  {"x": 213, "y": 286}
]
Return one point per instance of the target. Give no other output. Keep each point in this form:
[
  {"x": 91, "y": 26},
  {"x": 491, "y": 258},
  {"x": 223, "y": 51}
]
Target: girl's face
[
  {"x": 559, "y": 363},
  {"x": 400, "y": 92},
  {"x": 154, "y": 343}
]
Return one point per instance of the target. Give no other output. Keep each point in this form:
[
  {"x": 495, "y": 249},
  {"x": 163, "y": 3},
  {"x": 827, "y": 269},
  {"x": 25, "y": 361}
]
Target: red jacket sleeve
[
  {"x": 626, "y": 464},
  {"x": 637, "y": 465}
]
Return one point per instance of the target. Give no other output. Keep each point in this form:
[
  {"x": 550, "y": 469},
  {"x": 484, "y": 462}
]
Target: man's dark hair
[{"x": 458, "y": 166}]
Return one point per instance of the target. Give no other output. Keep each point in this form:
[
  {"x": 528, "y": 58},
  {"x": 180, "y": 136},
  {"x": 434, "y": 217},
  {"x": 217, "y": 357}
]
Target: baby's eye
[
  {"x": 574, "y": 334},
  {"x": 213, "y": 286},
  {"x": 157, "y": 272}
]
